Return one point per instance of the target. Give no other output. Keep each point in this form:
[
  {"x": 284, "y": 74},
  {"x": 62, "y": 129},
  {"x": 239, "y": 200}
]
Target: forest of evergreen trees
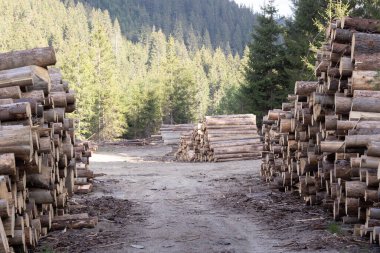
[
  {"x": 123, "y": 87},
  {"x": 209, "y": 23},
  {"x": 129, "y": 87}
]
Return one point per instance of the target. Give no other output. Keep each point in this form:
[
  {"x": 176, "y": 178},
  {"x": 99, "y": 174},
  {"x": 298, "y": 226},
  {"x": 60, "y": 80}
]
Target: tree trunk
[{"x": 365, "y": 51}]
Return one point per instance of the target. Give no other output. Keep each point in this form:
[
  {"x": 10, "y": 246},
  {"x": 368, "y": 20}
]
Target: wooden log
[
  {"x": 7, "y": 164},
  {"x": 10, "y": 92},
  {"x": 342, "y": 104},
  {"x": 366, "y": 51},
  {"x": 15, "y": 111},
  {"x": 371, "y": 196},
  {"x": 364, "y": 131},
  {"x": 351, "y": 206},
  {"x": 230, "y": 121},
  {"x": 361, "y": 24},
  {"x": 42, "y": 57},
  {"x": 332, "y": 146},
  {"x": 59, "y": 99},
  {"x": 345, "y": 66},
  {"x": 366, "y": 104},
  {"x": 4, "y": 244},
  {"x": 37, "y": 95},
  {"x": 74, "y": 221},
  {"x": 89, "y": 174},
  {"x": 371, "y": 178},
  {"x": 343, "y": 36},
  {"x": 42, "y": 196},
  {"x": 17, "y": 140},
  {"x": 371, "y": 162},
  {"x": 9, "y": 223},
  {"x": 305, "y": 88},
  {"x": 341, "y": 49},
  {"x": 365, "y": 80},
  {"x": 348, "y": 125},
  {"x": 370, "y": 116},
  {"x": 355, "y": 189}
]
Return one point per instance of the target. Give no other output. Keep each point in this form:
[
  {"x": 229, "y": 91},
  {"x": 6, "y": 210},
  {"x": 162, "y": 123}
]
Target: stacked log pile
[
  {"x": 38, "y": 153},
  {"x": 221, "y": 138},
  {"x": 171, "y": 134},
  {"x": 325, "y": 140}
]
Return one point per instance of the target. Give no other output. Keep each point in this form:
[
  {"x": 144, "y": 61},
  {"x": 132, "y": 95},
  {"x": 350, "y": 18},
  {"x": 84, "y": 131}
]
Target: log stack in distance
[
  {"x": 41, "y": 164},
  {"x": 221, "y": 138},
  {"x": 324, "y": 142}
]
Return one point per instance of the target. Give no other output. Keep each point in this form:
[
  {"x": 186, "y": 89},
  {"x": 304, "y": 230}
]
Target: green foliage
[
  {"x": 213, "y": 23},
  {"x": 334, "y": 228},
  {"x": 266, "y": 80},
  {"x": 122, "y": 87}
]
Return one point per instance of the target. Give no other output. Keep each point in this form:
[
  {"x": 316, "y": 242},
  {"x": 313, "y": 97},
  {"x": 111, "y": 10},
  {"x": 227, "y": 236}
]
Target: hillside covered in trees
[
  {"x": 211, "y": 23},
  {"x": 123, "y": 87}
]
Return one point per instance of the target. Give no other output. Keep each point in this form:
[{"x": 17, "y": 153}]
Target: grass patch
[{"x": 334, "y": 228}]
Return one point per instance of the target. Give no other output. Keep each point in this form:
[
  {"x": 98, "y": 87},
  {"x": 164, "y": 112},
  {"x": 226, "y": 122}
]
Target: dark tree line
[{"x": 211, "y": 23}]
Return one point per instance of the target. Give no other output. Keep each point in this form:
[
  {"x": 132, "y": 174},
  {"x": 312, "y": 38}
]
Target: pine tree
[{"x": 266, "y": 81}]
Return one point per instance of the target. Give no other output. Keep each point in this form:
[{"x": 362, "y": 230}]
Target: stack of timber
[
  {"x": 171, "y": 134},
  {"x": 220, "y": 139},
  {"x": 325, "y": 140},
  {"x": 38, "y": 162},
  {"x": 83, "y": 181}
]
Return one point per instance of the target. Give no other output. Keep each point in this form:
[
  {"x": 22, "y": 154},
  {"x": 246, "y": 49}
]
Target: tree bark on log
[
  {"x": 10, "y": 92},
  {"x": 305, "y": 88},
  {"x": 17, "y": 140},
  {"x": 345, "y": 66},
  {"x": 365, "y": 116},
  {"x": 341, "y": 49},
  {"x": 42, "y": 57},
  {"x": 361, "y": 24},
  {"x": 354, "y": 141},
  {"x": 342, "y": 104},
  {"x": 365, "y": 80},
  {"x": 342, "y": 36},
  {"x": 366, "y": 104},
  {"x": 355, "y": 189},
  {"x": 15, "y": 111},
  {"x": 74, "y": 221}
]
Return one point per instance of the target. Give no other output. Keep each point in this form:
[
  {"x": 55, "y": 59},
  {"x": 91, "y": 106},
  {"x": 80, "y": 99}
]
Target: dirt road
[{"x": 148, "y": 205}]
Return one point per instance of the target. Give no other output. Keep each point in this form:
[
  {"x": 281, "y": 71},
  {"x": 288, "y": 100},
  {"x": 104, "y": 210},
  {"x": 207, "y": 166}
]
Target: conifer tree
[{"x": 266, "y": 82}]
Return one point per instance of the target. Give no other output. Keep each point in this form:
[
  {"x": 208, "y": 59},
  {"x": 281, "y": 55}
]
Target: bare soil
[{"x": 147, "y": 203}]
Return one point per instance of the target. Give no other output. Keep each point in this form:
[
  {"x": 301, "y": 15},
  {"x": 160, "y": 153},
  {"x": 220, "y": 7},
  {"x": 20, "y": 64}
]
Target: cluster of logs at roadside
[
  {"x": 325, "y": 140},
  {"x": 220, "y": 139},
  {"x": 41, "y": 165}
]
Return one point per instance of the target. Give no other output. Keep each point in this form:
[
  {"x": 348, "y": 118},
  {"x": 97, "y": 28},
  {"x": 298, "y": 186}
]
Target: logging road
[
  {"x": 144, "y": 200},
  {"x": 181, "y": 204},
  {"x": 178, "y": 200}
]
